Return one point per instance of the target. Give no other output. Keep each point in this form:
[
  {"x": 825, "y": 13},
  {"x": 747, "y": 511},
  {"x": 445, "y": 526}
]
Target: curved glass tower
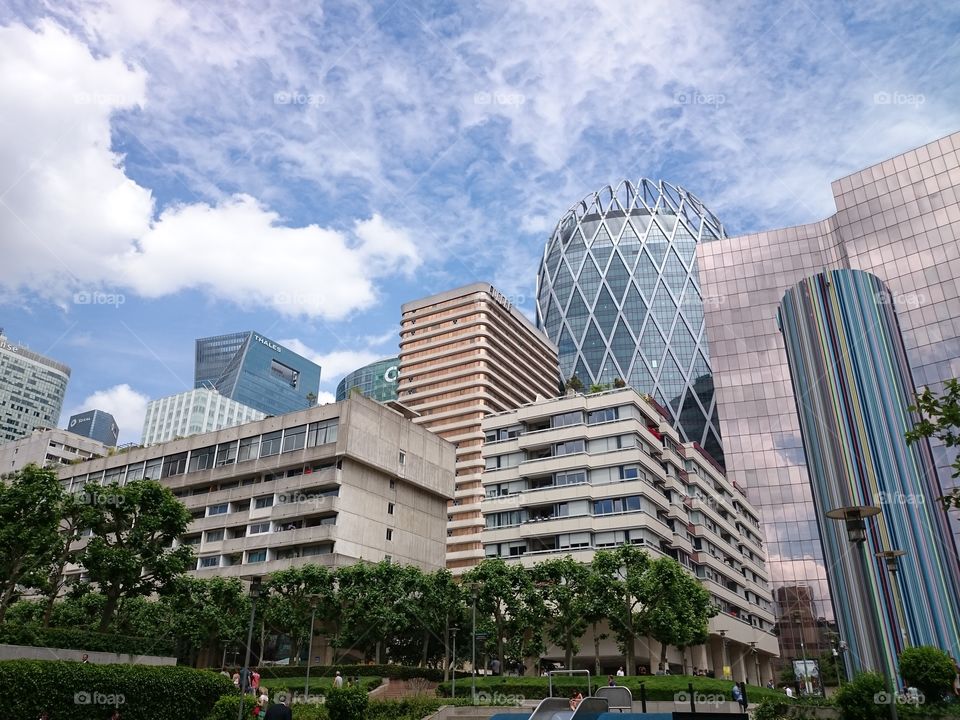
[
  {"x": 377, "y": 381},
  {"x": 618, "y": 293}
]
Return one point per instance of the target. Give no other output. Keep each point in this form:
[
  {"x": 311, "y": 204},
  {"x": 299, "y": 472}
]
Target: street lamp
[
  {"x": 254, "y": 593},
  {"x": 454, "y": 690},
  {"x": 726, "y": 660},
  {"x": 756, "y": 661},
  {"x": 892, "y": 560},
  {"x": 473, "y": 652},
  {"x": 314, "y": 601}
]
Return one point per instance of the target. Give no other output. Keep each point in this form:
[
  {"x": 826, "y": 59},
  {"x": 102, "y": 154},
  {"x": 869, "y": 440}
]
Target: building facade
[
  {"x": 572, "y": 475},
  {"x": 465, "y": 354},
  {"x": 618, "y": 292},
  {"x": 32, "y": 388},
  {"x": 330, "y": 485},
  {"x": 192, "y": 412},
  {"x": 256, "y": 371},
  {"x": 95, "y": 424},
  {"x": 854, "y": 389},
  {"x": 48, "y": 448},
  {"x": 377, "y": 381},
  {"x": 898, "y": 220}
]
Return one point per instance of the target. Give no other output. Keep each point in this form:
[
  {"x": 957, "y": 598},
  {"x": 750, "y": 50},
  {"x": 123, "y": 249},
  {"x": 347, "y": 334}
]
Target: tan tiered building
[{"x": 465, "y": 354}]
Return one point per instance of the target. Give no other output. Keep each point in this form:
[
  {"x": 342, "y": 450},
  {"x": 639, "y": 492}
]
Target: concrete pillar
[
  {"x": 716, "y": 652},
  {"x": 738, "y": 662},
  {"x": 766, "y": 671},
  {"x": 700, "y": 657}
]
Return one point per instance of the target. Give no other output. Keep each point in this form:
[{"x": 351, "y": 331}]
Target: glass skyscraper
[
  {"x": 618, "y": 292},
  {"x": 31, "y": 390},
  {"x": 257, "y": 372},
  {"x": 377, "y": 381},
  {"x": 95, "y": 424}
]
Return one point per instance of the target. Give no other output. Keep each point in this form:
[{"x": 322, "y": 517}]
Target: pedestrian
[
  {"x": 279, "y": 711},
  {"x": 255, "y": 681},
  {"x": 770, "y": 685},
  {"x": 236, "y": 679},
  {"x": 744, "y": 700},
  {"x": 737, "y": 695},
  {"x": 495, "y": 666},
  {"x": 611, "y": 682},
  {"x": 788, "y": 690},
  {"x": 575, "y": 699},
  {"x": 85, "y": 659},
  {"x": 115, "y": 715},
  {"x": 244, "y": 679},
  {"x": 44, "y": 715},
  {"x": 620, "y": 672},
  {"x": 264, "y": 698},
  {"x": 338, "y": 681}
]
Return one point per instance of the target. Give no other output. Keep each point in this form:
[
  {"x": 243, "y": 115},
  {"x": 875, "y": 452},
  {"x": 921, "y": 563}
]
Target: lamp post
[
  {"x": 892, "y": 560},
  {"x": 756, "y": 661},
  {"x": 854, "y": 518},
  {"x": 454, "y": 680},
  {"x": 473, "y": 652},
  {"x": 254, "y": 593},
  {"x": 726, "y": 661},
  {"x": 314, "y": 601}
]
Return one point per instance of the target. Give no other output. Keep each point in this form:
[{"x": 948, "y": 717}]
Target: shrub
[
  {"x": 88, "y": 640},
  {"x": 865, "y": 698},
  {"x": 347, "y": 704},
  {"x": 402, "y": 672},
  {"x": 771, "y": 709},
  {"x": 77, "y": 691},
  {"x": 928, "y": 669},
  {"x": 227, "y": 706}
]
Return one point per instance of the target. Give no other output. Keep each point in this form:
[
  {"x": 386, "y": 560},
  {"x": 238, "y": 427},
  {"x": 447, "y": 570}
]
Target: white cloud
[
  {"x": 127, "y": 406},
  {"x": 325, "y": 398},
  {"x": 333, "y": 365}
]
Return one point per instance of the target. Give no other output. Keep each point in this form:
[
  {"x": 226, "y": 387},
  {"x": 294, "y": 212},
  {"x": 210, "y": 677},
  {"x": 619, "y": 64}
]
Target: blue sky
[{"x": 174, "y": 170}]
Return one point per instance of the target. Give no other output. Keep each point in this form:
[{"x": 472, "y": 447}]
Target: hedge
[
  {"x": 80, "y": 691},
  {"x": 318, "y": 685},
  {"x": 402, "y": 672},
  {"x": 88, "y": 640}
]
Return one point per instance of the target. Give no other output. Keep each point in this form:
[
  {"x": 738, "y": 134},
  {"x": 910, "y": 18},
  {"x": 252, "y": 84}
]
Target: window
[
  {"x": 629, "y": 473},
  {"x": 134, "y": 472},
  {"x": 322, "y": 432},
  {"x": 403, "y": 458},
  {"x": 214, "y": 535},
  {"x": 569, "y": 447},
  {"x": 504, "y": 461},
  {"x": 270, "y": 443},
  {"x": 393, "y": 484},
  {"x": 294, "y": 438},
  {"x": 152, "y": 470},
  {"x": 389, "y": 534},
  {"x": 226, "y": 453},
  {"x": 259, "y": 528},
  {"x": 220, "y": 509},
  {"x": 570, "y": 478},
  {"x": 248, "y": 449},
  {"x": 287, "y": 374},
  {"x": 601, "y": 416},
  {"x": 570, "y": 418},
  {"x": 263, "y": 502},
  {"x": 202, "y": 459},
  {"x": 208, "y": 562},
  {"x": 389, "y": 508},
  {"x": 257, "y": 556}
]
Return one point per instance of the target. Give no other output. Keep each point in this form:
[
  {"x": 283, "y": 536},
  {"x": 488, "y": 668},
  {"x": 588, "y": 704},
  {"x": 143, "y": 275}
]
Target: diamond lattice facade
[{"x": 618, "y": 293}]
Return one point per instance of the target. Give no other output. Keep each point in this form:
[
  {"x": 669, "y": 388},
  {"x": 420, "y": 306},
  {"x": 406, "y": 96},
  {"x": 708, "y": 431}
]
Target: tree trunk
[
  {"x": 631, "y": 649},
  {"x": 663, "y": 656},
  {"x": 9, "y": 590},
  {"x": 596, "y": 650},
  {"x": 569, "y": 652},
  {"x": 426, "y": 648},
  {"x": 446, "y": 650},
  {"x": 109, "y": 610}
]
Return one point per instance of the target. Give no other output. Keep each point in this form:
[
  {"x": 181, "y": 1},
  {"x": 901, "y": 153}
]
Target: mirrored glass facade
[
  {"x": 619, "y": 294},
  {"x": 377, "y": 381},
  {"x": 31, "y": 390},
  {"x": 899, "y": 220}
]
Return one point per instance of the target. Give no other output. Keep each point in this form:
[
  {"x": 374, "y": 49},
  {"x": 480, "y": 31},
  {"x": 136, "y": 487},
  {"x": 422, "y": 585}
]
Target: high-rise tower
[{"x": 618, "y": 293}]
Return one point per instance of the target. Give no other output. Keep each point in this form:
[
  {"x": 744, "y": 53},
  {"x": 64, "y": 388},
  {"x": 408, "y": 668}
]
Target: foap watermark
[
  {"x": 911, "y": 697},
  {"x": 498, "y": 698},
  {"x": 898, "y": 98},
  {"x": 292, "y": 97},
  {"x": 98, "y": 499},
  {"x": 298, "y": 299},
  {"x": 899, "y": 498},
  {"x": 714, "y": 301},
  {"x": 695, "y": 97},
  {"x": 298, "y": 698},
  {"x": 95, "y": 697},
  {"x": 295, "y": 496},
  {"x": 95, "y": 297},
  {"x": 905, "y": 301},
  {"x": 700, "y": 699},
  {"x": 499, "y": 98}
]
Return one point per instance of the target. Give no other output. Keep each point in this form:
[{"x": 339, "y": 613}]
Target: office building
[
  {"x": 377, "y": 381},
  {"x": 575, "y": 474},
  {"x": 256, "y": 371},
  {"x": 618, "y": 293},
  {"x": 31, "y": 390},
  {"x": 898, "y": 220},
  {"x": 95, "y": 424},
  {"x": 192, "y": 412},
  {"x": 48, "y": 447},
  {"x": 331, "y": 485},
  {"x": 853, "y": 385},
  {"x": 465, "y": 354}
]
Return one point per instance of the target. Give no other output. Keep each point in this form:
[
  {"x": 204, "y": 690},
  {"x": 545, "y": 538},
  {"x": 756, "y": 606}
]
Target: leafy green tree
[
  {"x": 292, "y": 596},
  {"x": 622, "y": 573},
  {"x": 599, "y": 598},
  {"x": 940, "y": 419},
  {"x": 564, "y": 586},
  {"x": 857, "y": 700},
  {"x": 437, "y": 604},
  {"x": 208, "y": 612},
  {"x": 29, "y": 504},
  {"x": 130, "y": 553},
  {"x": 574, "y": 383},
  {"x": 929, "y": 669},
  {"x": 675, "y": 607}
]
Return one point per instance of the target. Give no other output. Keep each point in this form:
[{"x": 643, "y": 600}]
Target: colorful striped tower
[{"x": 853, "y": 387}]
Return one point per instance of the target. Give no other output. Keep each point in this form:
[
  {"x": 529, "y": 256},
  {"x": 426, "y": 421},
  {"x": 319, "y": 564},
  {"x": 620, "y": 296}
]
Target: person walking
[
  {"x": 611, "y": 682},
  {"x": 338, "y": 681},
  {"x": 744, "y": 700},
  {"x": 244, "y": 680},
  {"x": 255, "y": 681},
  {"x": 620, "y": 672},
  {"x": 737, "y": 695},
  {"x": 279, "y": 711}
]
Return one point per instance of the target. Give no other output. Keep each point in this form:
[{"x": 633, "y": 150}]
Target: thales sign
[{"x": 272, "y": 345}]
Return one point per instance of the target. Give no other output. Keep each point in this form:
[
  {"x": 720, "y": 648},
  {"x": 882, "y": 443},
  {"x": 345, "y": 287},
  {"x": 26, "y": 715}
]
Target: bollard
[
  {"x": 643, "y": 697},
  {"x": 693, "y": 698}
]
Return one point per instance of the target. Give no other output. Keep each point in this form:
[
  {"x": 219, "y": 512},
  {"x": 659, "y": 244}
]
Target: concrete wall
[{"x": 23, "y": 652}]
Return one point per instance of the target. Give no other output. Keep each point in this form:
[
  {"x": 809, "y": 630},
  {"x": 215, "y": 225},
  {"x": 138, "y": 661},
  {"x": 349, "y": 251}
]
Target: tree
[
  {"x": 929, "y": 669},
  {"x": 858, "y": 700},
  {"x": 940, "y": 419},
  {"x": 438, "y": 603},
  {"x": 209, "y": 613},
  {"x": 622, "y": 572},
  {"x": 292, "y": 596},
  {"x": 564, "y": 587},
  {"x": 29, "y": 503},
  {"x": 574, "y": 384},
  {"x": 130, "y": 553},
  {"x": 599, "y": 599},
  {"x": 619, "y": 383}
]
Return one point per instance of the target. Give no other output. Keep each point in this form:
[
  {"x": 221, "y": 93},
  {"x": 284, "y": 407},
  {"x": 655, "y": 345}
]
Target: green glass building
[{"x": 377, "y": 381}]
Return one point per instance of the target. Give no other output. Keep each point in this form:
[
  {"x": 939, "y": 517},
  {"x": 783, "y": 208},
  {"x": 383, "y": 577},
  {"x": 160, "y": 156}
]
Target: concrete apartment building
[
  {"x": 572, "y": 475},
  {"x": 329, "y": 485},
  {"x": 465, "y": 354},
  {"x": 48, "y": 448}
]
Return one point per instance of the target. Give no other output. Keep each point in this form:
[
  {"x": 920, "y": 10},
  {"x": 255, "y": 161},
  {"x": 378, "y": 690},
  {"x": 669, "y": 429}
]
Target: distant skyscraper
[
  {"x": 618, "y": 293},
  {"x": 464, "y": 354},
  {"x": 192, "y": 412},
  {"x": 95, "y": 424},
  {"x": 378, "y": 381},
  {"x": 31, "y": 390},
  {"x": 898, "y": 220},
  {"x": 854, "y": 389},
  {"x": 256, "y": 371}
]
